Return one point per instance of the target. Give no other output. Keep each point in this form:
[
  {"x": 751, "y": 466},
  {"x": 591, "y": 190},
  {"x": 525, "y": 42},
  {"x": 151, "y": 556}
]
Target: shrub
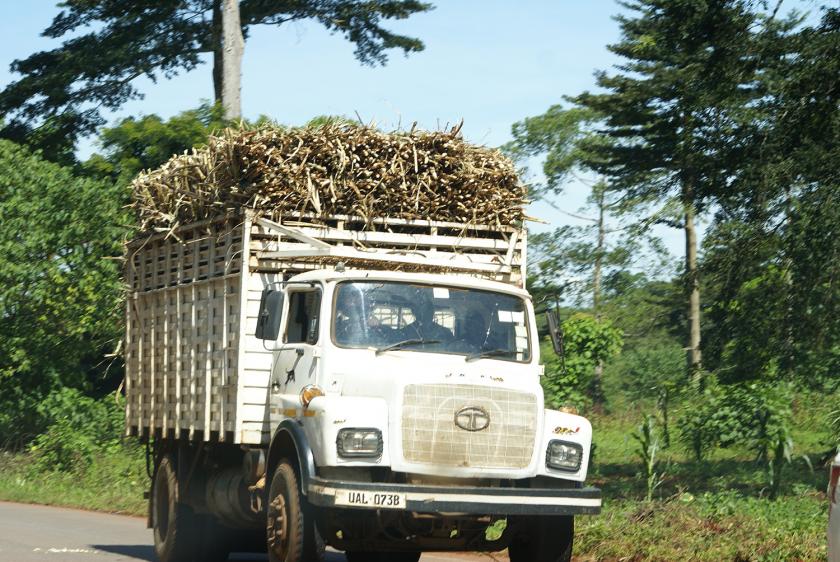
[
  {"x": 588, "y": 342},
  {"x": 703, "y": 422},
  {"x": 754, "y": 416},
  {"x": 77, "y": 427}
]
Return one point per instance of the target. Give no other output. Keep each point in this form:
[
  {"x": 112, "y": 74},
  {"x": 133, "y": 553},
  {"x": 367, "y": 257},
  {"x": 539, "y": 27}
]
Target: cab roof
[{"x": 452, "y": 280}]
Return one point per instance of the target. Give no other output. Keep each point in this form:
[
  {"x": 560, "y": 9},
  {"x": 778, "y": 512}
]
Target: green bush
[
  {"x": 704, "y": 422},
  {"x": 588, "y": 342},
  {"x": 755, "y": 417},
  {"x": 77, "y": 427}
]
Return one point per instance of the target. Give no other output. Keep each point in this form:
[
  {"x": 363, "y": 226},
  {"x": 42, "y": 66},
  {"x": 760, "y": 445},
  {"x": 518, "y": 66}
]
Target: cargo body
[{"x": 373, "y": 385}]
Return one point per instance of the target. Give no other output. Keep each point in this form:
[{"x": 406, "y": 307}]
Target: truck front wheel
[
  {"x": 291, "y": 534},
  {"x": 543, "y": 539}
]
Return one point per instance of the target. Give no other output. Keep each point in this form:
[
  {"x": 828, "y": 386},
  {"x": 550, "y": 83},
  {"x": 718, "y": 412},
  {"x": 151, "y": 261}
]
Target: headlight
[
  {"x": 359, "y": 442},
  {"x": 562, "y": 455}
]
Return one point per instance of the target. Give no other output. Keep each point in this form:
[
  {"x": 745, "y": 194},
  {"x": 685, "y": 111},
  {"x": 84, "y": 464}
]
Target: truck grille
[{"x": 430, "y": 436}]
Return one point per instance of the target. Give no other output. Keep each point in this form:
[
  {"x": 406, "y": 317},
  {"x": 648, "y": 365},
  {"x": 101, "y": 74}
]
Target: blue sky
[{"x": 490, "y": 63}]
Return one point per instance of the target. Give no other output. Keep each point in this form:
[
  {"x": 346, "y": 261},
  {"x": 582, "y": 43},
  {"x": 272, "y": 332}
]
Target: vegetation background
[{"x": 712, "y": 383}]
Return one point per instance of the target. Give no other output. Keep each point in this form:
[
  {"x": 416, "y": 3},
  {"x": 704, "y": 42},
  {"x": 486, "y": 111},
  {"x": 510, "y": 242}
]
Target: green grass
[
  {"x": 114, "y": 482},
  {"x": 714, "y": 510},
  {"x": 713, "y": 527}
]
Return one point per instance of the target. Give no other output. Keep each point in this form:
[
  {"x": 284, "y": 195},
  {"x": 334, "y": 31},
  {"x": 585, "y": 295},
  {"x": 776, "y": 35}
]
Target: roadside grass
[
  {"x": 114, "y": 482},
  {"x": 712, "y": 527},
  {"x": 712, "y": 510}
]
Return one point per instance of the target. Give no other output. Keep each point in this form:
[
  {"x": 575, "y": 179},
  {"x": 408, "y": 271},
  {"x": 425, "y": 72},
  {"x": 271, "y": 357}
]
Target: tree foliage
[
  {"x": 60, "y": 294},
  {"x": 555, "y": 136},
  {"x": 142, "y": 143},
  {"x": 676, "y": 111},
  {"x": 679, "y": 98},
  {"x": 107, "y": 44},
  {"x": 588, "y": 342},
  {"x": 771, "y": 256},
  {"x": 572, "y": 260}
]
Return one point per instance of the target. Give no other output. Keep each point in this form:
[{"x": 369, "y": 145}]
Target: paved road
[{"x": 33, "y": 533}]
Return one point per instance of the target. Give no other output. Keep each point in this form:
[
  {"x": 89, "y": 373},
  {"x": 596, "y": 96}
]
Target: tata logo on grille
[{"x": 472, "y": 418}]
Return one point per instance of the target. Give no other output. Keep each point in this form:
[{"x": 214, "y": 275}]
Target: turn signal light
[{"x": 309, "y": 393}]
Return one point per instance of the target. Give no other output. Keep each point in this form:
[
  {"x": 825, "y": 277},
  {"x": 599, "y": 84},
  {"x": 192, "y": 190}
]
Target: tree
[
  {"x": 62, "y": 92},
  {"x": 233, "y": 45},
  {"x": 560, "y": 137},
  {"x": 574, "y": 259},
  {"x": 646, "y": 310},
  {"x": 675, "y": 110},
  {"x": 143, "y": 143},
  {"x": 771, "y": 258},
  {"x": 60, "y": 290},
  {"x": 588, "y": 342}
]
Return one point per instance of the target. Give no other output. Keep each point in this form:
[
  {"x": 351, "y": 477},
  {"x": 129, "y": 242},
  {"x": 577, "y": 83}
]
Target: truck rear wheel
[
  {"x": 179, "y": 534},
  {"x": 356, "y": 556},
  {"x": 543, "y": 539},
  {"x": 291, "y": 534}
]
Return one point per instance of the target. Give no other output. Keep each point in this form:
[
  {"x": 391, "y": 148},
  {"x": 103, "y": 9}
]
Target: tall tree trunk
[
  {"x": 599, "y": 254},
  {"x": 234, "y": 46},
  {"x": 787, "y": 362},
  {"x": 218, "y": 50},
  {"x": 692, "y": 287},
  {"x": 598, "y": 375}
]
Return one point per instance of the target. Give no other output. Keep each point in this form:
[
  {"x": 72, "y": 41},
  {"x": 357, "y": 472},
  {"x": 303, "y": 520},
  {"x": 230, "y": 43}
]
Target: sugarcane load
[
  {"x": 329, "y": 342},
  {"x": 333, "y": 170}
]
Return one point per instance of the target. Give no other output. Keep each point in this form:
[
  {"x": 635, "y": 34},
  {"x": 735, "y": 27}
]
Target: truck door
[{"x": 297, "y": 359}]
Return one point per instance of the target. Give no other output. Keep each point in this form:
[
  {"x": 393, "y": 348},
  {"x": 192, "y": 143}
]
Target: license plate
[{"x": 375, "y": 500}]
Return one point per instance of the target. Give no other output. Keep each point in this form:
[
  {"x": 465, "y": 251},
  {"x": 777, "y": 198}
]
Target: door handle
[{"x": 290, "y": 374}]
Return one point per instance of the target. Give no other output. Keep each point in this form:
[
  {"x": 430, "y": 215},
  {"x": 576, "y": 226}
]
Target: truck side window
[{"x": 304, "y": 308}]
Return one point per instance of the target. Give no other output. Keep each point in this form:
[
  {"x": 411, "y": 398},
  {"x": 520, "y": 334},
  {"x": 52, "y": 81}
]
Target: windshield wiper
[
  {"x": 487, "y": 353},
  {"x": 404, "y": 343}
]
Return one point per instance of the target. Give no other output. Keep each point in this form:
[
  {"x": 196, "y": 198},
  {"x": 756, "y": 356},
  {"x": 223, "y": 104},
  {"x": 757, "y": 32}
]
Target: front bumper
[{"x": 471, "y": 500}]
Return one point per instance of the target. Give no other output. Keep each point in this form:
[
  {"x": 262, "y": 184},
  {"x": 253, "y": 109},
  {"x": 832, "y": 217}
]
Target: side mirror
[
  {"x": 556, "y": 332},
  {"x": 271, "y": 311}
]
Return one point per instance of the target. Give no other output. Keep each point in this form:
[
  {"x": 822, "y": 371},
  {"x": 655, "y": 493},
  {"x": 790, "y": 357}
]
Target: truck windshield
[{"x": 416, "y": 317}]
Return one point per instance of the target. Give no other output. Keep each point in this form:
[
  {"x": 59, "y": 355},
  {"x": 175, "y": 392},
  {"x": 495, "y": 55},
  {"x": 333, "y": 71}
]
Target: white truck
[{"x": 369, "y": 385}]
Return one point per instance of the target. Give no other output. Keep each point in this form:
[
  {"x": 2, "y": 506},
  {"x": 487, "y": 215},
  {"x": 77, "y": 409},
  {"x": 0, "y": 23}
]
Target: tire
[
  {"x": 291, "y": 534},
  {"x": 543, "y": 539},
  {"x": 214, "y": 542},
  {"x": 179, "y": 534},
  {"x": 357, "y": 556}
]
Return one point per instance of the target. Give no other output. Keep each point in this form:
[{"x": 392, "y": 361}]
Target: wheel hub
[{"x": 277, "y": 526}]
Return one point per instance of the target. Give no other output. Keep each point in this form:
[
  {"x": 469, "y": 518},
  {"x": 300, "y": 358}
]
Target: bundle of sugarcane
[{"x": 333, "y": 170}]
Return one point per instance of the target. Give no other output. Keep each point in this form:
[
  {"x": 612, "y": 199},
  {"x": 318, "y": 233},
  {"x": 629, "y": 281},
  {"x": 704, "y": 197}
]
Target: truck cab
[{"x": 416, "y": 409}]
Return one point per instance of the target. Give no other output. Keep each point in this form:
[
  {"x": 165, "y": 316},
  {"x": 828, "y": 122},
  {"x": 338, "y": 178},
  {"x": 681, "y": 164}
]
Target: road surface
[{"x": 34, "y": 533}]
